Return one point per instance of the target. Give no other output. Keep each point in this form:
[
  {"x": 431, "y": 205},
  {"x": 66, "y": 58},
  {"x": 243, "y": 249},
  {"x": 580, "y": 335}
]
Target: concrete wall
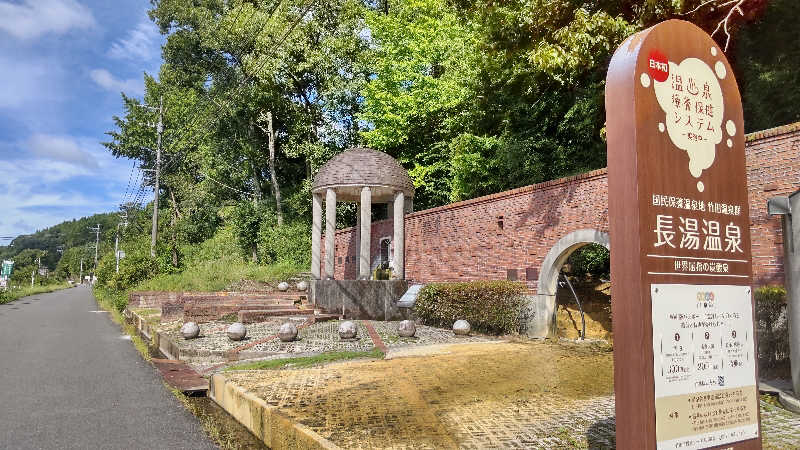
[
  {"x": 361, "y": 299},
  {"x": 464, "y": 241}
]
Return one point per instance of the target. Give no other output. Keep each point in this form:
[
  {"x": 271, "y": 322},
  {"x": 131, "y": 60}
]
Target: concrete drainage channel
[
  {"x": 221, "y": 424},
  {"x": 266, "y": 422}
]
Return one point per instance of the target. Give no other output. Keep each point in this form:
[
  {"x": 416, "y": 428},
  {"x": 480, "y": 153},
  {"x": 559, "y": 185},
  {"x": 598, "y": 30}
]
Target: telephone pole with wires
[
  {"x": 159, "y": 130},
  {"x": 96, "y": 246},
  {"x": 116, "y": 239},
  {"x": 157, "y": 170}
]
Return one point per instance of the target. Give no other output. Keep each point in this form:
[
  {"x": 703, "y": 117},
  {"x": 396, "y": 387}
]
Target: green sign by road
[{"x": 8, "y": 267}]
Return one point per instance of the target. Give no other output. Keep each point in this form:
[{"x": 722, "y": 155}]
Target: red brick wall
[
  {"x": 773, "y": 161},
  {"x": 462, "y": 241}
]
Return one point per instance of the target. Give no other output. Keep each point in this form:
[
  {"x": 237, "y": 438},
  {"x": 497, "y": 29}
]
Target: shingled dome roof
[{"x": 353, "y": 169}]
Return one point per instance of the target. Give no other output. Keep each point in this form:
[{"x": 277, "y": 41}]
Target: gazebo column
[
  {"x": 366, "y": 233},
  {"x": 330, "y": 232},
  {"x": 357, "y": 237},
  {"x": 399, "y": 235},
  {"x": 316, "y": 235}
]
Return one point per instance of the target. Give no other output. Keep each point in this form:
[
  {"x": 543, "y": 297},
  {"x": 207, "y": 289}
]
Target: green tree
[{"x": 767, "y": 61}]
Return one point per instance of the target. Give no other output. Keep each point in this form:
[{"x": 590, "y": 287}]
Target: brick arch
[
  {"x": 558, "y": 254},
  {"x": 543, "y": 305}
]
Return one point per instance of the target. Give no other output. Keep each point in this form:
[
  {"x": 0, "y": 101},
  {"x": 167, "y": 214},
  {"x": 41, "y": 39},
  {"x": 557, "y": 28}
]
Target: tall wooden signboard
[{"x": 684, "y": 344}]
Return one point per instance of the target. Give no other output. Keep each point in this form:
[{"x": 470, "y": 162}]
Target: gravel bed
[
  {"x": 213, "y": 337},
  {"x": 320, "y": 337},
  {"x": 425, "y": 335}
]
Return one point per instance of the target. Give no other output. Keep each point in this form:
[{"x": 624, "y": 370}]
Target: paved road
[{"x": 70, "y": 379}]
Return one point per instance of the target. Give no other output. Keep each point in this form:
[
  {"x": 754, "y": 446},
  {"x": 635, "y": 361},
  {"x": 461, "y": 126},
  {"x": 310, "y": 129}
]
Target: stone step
[{"x": 322, "y": 317}]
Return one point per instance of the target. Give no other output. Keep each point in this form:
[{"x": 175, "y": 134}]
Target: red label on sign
[{"x": 658, "y": 66}]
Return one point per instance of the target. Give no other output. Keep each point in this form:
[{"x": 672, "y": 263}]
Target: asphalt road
[{"x": 70, "y": 379}]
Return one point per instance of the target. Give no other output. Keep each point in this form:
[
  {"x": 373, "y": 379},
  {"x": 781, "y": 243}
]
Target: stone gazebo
[{"x": 364, "y": 176}]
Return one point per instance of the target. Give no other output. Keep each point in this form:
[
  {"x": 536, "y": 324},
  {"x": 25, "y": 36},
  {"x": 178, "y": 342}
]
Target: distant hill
[{"x": 69, "y": 234}]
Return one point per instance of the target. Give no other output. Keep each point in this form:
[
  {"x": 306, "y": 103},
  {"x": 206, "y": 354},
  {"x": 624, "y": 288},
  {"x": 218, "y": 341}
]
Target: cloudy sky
[{"x": 63, "y": 64}]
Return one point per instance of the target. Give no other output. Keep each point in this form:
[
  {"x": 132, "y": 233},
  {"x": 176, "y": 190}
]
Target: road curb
[{"x": 266, "y": 422}]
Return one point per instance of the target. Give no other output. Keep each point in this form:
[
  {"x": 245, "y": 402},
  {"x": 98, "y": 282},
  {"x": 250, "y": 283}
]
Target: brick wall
[
  {"x": 773, "y": 162},
  {"x": 464, "y": 241}
]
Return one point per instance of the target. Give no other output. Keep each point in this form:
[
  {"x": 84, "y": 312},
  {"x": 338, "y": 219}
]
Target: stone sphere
[
  {"x": 461, "y": 328},
  {"x": 287, "y": 332},
  {"x": 283, "y": 286},
  {"x": 302, "y": 286},
  {"x": 407, "y": 328},
  {"x": 236, "y": 331},
  {"x": 348, "y": 330},
  {"x": 190, "y": 330}
]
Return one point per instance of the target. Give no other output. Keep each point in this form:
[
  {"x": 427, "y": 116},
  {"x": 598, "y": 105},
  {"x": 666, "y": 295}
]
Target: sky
[{"x": 63, "y": 65}]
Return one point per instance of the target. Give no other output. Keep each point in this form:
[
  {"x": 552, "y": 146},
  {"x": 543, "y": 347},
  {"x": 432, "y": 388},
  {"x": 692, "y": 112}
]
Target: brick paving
[
  {"x": 780, "y": 427},
  {"x": 520, "y": 418},
  {"x": 474, "y": 396}
]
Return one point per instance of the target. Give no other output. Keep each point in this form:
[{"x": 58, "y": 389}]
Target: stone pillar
[
  {"x": 330, "y": 233},
  {"x": 399, "y": 236},
  {"x": 366, "y": 233},
  {"x": 316, "y": 235},
  {"x": 409, "y": 205},
  {"x": 357, "y": 237},
  {"x": 785, "y": 207},
  {"x": 791, "y": 269}
]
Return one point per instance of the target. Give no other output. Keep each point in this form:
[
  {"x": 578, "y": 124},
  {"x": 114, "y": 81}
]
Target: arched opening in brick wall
[
  {"x": 585, "y": 275},
  {"x": 544, "y": 317}
]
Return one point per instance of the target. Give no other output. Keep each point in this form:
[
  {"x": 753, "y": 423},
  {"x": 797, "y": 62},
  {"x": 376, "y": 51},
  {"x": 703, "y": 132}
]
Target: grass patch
[
  {"x": 214, "y": 265},
  {"x": 15, "y": 294},
  {"x": 306, "y": 361},
  {"x": 217, "y": 275},
  {"x": 229, "y": 318}
]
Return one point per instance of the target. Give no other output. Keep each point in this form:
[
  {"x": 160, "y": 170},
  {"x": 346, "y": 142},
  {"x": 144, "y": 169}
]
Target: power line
[
  {"x": 130, "y": 177},
  {"x": 248, "y": 77},
  {"x": 223, "y": 184}
]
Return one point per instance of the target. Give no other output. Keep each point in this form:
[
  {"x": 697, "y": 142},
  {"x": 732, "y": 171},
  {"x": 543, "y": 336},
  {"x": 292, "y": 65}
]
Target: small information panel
[{"x": 705, "y": 387}]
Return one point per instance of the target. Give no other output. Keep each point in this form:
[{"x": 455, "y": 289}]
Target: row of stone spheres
[{"x": 347, "y": 330}]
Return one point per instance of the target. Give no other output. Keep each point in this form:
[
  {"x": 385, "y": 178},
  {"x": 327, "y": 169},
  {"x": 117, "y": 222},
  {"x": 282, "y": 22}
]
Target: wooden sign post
[{"x": 685, "y": 369}]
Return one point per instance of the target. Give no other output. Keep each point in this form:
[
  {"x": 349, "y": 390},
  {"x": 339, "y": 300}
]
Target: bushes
[
  {"x": 593, "y": 259},
  {"x": 772, "y": 326},
  {"x": 247, "y": 220},
  {"x": 490, "y": 306},
  {"x": 287, "y": 244}
]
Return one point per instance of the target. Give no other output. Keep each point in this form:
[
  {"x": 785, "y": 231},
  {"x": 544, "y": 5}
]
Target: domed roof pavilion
[
  {"x": 353, "y": 169},
  {"x": 364, "y": 176}
]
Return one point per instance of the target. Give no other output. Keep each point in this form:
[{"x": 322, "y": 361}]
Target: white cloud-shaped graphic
[{"x": 691, "y": 99}]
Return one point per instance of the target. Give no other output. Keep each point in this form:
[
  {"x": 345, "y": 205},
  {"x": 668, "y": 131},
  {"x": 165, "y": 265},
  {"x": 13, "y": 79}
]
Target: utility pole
[
  {"x": 81, "y": 276},
  {"x": 38, "y": 268},
  {"x": 96, "y": 246},
  {"x": 159, "y": 129},
  {"x": 116, "y": 240}
]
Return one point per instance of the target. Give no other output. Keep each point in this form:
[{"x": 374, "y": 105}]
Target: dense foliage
[
  {"x": 495, "y": 307},
  {"x": 768, "y": 57},
  {"x": 772, "y": 326},
  {"x": 471, "y": 97},
  {"x": 592, "y": 259}
]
